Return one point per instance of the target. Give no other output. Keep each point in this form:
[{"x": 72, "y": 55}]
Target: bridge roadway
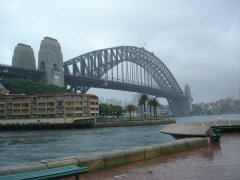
[
  {"x": 120, "y": 85},
  {"x": 202, "y": 129},
  {"x": 11, "y": 72}
]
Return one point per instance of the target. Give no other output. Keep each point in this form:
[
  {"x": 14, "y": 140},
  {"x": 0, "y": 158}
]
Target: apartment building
[{"x": 22, "y": 106}]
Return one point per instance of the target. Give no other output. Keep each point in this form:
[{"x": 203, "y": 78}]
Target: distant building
[
  {"x": 101, "y": 99},
  {"x": 135, "y": 99},
  {"x": 113, "y": 102},
  {"x": 21, "y": 106},
  {"x": 125, "y": 103}
]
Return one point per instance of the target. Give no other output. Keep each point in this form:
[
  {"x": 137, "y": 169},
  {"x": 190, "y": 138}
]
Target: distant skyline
[{"x": 198, "y": 41}]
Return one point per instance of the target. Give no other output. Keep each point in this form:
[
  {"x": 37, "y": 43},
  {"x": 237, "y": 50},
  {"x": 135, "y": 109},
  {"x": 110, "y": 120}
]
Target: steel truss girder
[{"x": 95, "y": 64}]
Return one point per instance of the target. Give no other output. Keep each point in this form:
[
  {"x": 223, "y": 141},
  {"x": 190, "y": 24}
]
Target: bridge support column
[
  {"x": 50, "y": 60},
  {"x": 178, "y": 106},
  {"x": 75, "y": 87}
]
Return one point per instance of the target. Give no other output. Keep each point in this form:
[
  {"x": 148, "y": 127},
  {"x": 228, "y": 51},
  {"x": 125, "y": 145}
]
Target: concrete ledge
[
  {"x": 113, "y": 159},
  {"x": 40, "y": 120},
  {"x": 28, "y": 167},
  {"x": 97, "y": 161},
  {"x": 54, "y": 163},
  {"x": 199, "y": 129},
  {"x": 152, "y": 151},
  {"x": 180, "y": 145},
  {"x": 115, "y": 123},
  {"x": 134, "y": 155},
  {"x": 203, "y": 141},
  {"x": 5, "y": 170},
  {"x": 93, "y": 161},
  {"x": 191, "y": 143},
  {"x": 167, "y": 148},
  {"x": 22, "y": 168}
]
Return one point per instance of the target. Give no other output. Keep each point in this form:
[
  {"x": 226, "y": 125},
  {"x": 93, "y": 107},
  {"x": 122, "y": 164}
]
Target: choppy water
[
  {"x": 208, "y": 118},
  {"x": 28, "y": 146}
]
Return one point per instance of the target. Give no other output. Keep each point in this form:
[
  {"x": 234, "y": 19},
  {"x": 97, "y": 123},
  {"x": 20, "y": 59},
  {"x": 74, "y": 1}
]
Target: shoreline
[
  {"x": 76, "y": 123},
  {"x": 103, "y": 160}
]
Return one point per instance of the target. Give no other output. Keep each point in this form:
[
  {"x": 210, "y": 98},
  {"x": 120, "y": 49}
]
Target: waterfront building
[{"x": 21, "y": 106}]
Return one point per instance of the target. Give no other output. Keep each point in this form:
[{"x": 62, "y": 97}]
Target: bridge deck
[{"x": 199, "y": 128}]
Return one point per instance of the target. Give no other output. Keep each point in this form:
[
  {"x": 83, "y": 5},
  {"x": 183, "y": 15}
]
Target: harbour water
[{"x": 29, "y": 146}]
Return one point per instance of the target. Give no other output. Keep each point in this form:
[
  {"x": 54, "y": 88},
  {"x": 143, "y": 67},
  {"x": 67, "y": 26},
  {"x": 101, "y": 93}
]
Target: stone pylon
[
  {"x": 187, "y": 93},
  {"x": 23, "y": 57},
  {"x": 50, "y": 60}
]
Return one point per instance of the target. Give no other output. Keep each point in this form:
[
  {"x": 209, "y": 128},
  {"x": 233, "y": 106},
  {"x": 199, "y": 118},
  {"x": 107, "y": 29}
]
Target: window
[
  {"x": 60, "y": 98},
  {"x": 78, "y": 109},
  {"x": 78, "y": 97},
  {"x": 55, "y": 67},
  {"x": 25, "y": 105},
  {"x": 78, "y": 103},
  {"x": 69, "y": 103},
  {"x": 42, "y": 65}
]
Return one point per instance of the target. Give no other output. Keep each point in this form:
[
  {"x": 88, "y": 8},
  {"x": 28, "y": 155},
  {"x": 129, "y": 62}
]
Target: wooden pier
[{"x": 201, "y": 129}]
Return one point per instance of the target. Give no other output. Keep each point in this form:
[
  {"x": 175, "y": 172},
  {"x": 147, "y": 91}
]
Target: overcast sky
[{"x": 198, "y": 40}]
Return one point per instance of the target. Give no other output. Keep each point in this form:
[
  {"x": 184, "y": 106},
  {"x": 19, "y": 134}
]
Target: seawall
[
  {"x": 103, "y": 160},
  {"x": 39, "y": 120},
  {"x": 75, "y": 123},
  {"x": 134, "y": 122}
]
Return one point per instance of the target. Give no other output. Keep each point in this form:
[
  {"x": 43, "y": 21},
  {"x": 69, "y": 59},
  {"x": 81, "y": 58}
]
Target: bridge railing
[{"x": 129, "y": 82}]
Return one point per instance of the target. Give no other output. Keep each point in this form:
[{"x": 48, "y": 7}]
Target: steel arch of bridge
[{"x": 94, "y": 65}]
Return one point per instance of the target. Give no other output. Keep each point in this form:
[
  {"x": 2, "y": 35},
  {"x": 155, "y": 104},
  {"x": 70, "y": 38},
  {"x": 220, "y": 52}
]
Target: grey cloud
[{"x": 199, "y": 41}]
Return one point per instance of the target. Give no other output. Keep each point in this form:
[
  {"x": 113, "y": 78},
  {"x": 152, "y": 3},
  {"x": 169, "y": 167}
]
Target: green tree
[
  {"x": 130, "y": 108},
  {"x": 142, "y": 101},
  {"x": 110, "y": 110},
  {"x": 155, "y": 104},
  {"x": 150, "y": 103},
  {"x": 118, "y": 111},
  {"x": 103, "y": 109},
  {"x": 20, "y": 86}
]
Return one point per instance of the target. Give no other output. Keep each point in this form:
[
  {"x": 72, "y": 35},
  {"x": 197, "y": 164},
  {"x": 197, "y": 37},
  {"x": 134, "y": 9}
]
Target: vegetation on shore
[
  {"x": 130, "y": 108},
  {"x": 151, "y": 102},
  {"x": 20, "y": 86},
  {"x": 110, "y": 110}
]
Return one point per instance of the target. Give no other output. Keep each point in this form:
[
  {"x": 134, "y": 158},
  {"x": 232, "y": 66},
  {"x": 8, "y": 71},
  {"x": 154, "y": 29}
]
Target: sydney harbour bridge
[{"x": 126, "y": 68}]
